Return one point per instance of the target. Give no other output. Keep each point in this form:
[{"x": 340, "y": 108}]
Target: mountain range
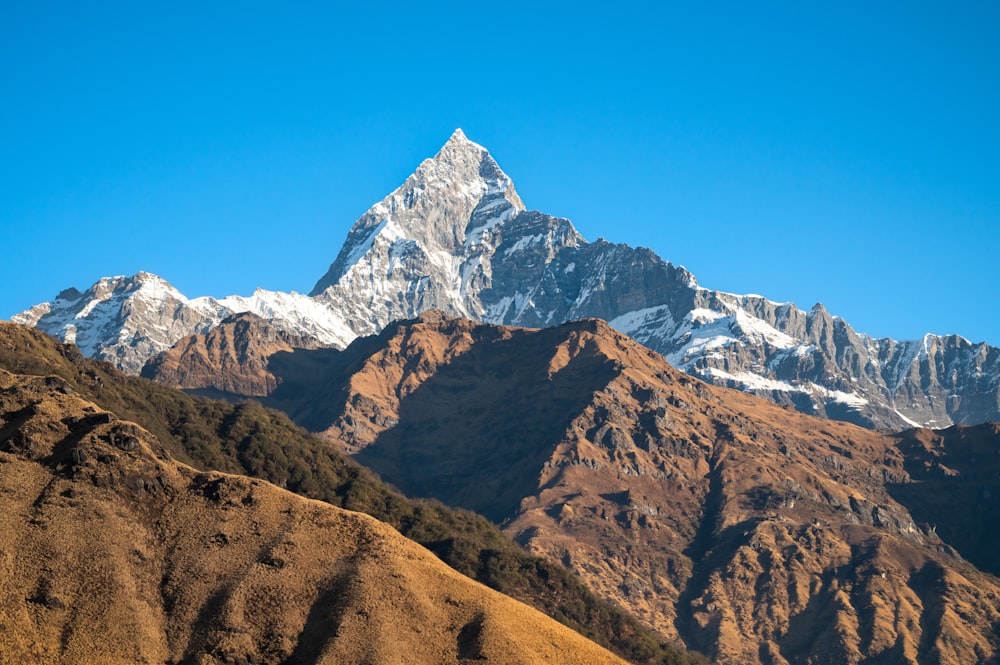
[
  {"x": 455, "y": 236},
  {"x": 475, "y": 353},
  {"x": 745, "y": 530}
]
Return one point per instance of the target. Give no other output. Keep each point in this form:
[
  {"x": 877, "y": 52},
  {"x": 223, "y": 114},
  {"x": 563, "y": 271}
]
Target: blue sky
[{"x": 833, "y": 152}]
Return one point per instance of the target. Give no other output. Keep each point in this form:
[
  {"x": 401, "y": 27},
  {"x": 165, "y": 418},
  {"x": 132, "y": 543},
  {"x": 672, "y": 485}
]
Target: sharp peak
[
  {"x": 143, "y": 276},
  {"x": 128, "y": 283},
  {"x": 458, "y": 136},
  {"x": 459, "y": 142}
]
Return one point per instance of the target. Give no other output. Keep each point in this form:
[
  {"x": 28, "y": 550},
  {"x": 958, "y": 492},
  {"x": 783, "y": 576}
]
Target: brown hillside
[
  {"x": 753, "y": 533},
  {"x": 112, "y": 552},
  {"x": 232, "y": 357}
]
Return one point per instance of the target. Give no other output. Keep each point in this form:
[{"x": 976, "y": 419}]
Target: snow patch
[
  {"x": 911, "y": 423},
  {"x": 759, "y": 330},
  {"x": 641, "y": 318},
  {"x": 752, "y": 381},
  {"x": 850, "y": 399},
  {"x": 524, "y": 242}
]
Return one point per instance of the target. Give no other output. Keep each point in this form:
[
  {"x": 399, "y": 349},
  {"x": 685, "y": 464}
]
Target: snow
[
  {"x": 90, "y": 306},
  {"x": 850, "y": 399},
  {"x": 475, "y": 235},
  {"x": 705, "y": 330},
  {"x": 468, "y": 270},
  {"x": 925, "y": 345},
  {"x": 750, "y": 381},
  {"x": 294, "y": 313},
  {"x": 903, "y": 364},
  {"x": 702, "y": 316},
  {"x": 634, "y": 321},
  {"x": 743, "y": 298},
  {"x": 524, "y": 242},
  {"x": 497, "y": 313},
  {"x": 757, "y": 330},
  {"x": 753, "y": 381},
  {"x": 911, "y": 423},
  {"x": 154, "y": 287},
  {"x": 365, "y": 245}
]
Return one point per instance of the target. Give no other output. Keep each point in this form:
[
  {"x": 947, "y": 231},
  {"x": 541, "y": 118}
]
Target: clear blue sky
[{"x": 806, "y": 151}]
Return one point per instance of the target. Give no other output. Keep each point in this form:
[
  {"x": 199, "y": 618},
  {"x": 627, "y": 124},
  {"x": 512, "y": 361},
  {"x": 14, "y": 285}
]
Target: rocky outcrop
[
  {"x": 112, "y": 552},
  {"x": 749, "y": 531}
]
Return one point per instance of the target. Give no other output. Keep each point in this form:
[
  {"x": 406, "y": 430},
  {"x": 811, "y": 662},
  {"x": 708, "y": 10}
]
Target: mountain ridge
[{"x": 456, "y": 236}]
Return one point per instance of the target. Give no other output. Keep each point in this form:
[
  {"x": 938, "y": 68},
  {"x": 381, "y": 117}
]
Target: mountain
[
  {"x": 236, "y": 350},
  {"x": 749, "y": 531},
  {"x": 247, "y": 439},
  {"x": 455, "y": 236},
  {"x": 128, "y": 320},
  {"x": 113, "y": 552}
]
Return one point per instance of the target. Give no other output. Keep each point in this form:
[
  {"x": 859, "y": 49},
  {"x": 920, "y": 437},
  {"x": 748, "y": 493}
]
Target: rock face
[
  {"x": 751, "y": 532},
  {"x": 111, "y": 552},
  {"x": 456, "y": 237}
]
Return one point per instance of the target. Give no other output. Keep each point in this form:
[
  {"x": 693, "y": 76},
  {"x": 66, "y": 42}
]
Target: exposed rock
[
  {"x": 230, "y": 358},
  {"x": 129, "y": 320}
]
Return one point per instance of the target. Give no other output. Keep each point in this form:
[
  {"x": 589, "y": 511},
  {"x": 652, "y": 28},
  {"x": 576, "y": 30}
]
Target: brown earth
[
  {"x": 753, "y": 533},
  {"x": 110, "y": 551}
]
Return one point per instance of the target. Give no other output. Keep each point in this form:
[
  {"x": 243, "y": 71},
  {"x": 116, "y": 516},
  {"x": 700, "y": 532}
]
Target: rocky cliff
[{"x": 231, "y": 357}]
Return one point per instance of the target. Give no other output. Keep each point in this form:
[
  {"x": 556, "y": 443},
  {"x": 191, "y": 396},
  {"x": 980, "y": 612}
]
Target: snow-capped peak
[{"x": 449, "y": 202}]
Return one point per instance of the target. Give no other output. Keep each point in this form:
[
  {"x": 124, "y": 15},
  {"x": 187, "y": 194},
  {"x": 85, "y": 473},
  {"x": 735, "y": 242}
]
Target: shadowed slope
[{"x": 956, "y": 488}]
